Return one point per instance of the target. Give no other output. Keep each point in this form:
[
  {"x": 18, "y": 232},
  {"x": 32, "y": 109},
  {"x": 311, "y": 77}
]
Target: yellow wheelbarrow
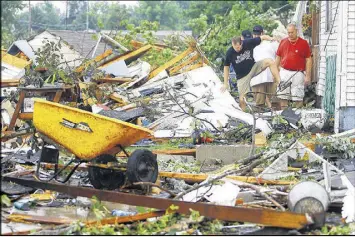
[{"x": 95, "y": 139}]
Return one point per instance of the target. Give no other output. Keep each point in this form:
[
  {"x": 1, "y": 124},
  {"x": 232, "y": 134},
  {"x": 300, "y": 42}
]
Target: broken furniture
[
  {"x": 95, "y": 138},
  {"x": 20, "y": 104}
]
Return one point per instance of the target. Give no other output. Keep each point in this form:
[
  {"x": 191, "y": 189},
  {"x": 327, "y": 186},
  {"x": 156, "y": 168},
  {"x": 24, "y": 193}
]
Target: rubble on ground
[{"x": 205, "y": 145}]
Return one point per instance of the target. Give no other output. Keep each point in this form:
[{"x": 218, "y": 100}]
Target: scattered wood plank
[
  {"x": 126, "y": 219},
  {"x": 96, "y": 59},
  {"x": 10, "y": 82},
  {"x": 114, "y": 79},
  {"x": 202, "y": 177},
  {"x": 129, "y": 56},
  {"x": 38, "y": 219}
]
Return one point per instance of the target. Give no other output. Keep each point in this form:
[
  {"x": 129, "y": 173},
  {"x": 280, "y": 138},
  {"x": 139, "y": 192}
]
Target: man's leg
[
  {"x": 273, "y": 68},
  {"x": 284, "y": 95},
  {"x": 243, "y": 89},
  {"x": 259, "y": 95},
  {"x": 270, "y": 89},
  {"x": 297, "y": 89}
]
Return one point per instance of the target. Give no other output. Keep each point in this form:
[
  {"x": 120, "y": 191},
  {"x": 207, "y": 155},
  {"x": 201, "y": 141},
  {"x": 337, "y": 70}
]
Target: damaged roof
[{"x": 82, "y": 41}]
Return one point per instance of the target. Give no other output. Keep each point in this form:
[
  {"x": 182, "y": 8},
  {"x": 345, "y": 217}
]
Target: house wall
[
  {"x": 331, "y": 47},
  {"x": 350, "y": 83},
  {"x": 345, "y": 50}
]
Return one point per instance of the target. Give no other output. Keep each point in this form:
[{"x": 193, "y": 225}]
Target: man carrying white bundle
[{"x": 263, "y": 84}]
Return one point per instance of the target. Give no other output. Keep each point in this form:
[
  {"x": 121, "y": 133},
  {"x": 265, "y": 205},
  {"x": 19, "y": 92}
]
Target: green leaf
[{"x": 5, "y": 200}]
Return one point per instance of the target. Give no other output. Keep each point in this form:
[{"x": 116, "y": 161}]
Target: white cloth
[
  {"x": 295, "y": 91},
  {"x": 263, "y": 51}
]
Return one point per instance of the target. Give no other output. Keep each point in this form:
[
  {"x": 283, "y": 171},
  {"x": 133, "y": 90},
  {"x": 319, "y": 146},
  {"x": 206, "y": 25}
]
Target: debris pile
[{"x": 169, "y": 114}]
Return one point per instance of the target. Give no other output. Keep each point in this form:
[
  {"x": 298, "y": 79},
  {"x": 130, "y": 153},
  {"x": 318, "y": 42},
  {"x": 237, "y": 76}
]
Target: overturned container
[{"x": 309, "y": 197}]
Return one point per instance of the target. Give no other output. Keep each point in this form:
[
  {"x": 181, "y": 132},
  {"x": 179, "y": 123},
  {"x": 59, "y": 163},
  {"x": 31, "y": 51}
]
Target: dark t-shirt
[{"x": 242, "y": 61}]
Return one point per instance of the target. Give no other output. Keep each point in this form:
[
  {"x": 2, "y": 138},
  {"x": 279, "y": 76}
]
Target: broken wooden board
[
  {"x": 38, "y": 219},
  {"x": 126, "y": 219},
  {"x": 114, "y": 79},
  {"x": 202, "y": 177},
  {"x": 129, "y": 56},
  {"x": 170, "y": 63},
  {"x": 96, "y": 59},
  {"x": 10, "y": 82}
]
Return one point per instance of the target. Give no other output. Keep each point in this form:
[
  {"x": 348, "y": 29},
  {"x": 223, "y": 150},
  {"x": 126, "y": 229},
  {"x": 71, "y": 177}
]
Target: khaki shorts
[
  {"x": 295, "y": 91},
  {"x": 244, "y": 83},
  {"x": 268, "y": 87}
]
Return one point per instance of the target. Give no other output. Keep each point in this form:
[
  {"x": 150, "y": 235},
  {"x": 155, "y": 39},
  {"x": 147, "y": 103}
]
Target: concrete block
[
  {"x": 227, "y": 154},
  {"x": 176, "y": 158}
]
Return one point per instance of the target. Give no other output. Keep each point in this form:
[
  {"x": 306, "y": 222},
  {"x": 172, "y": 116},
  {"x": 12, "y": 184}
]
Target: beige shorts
[
  {"x": 244, "y": 82},
  {"x": 295, "y": 90}
]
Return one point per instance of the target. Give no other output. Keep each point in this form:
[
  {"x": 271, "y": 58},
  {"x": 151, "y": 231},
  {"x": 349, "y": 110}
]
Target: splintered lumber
[
  {"x": 114, "y": 79},
  {"x": 10, "y": 82},
  {"x": 38, "y": 219},
  {"x": 96, "y": 59},
  {"x": 137, "y": 44},
  {"x": 183, "y": 64},
  {"x": 202, "y": 177},
  {"x": 126, "y": 219},
  {"x": 170, "y": 63},
  {"x": 129, "y": 56}
]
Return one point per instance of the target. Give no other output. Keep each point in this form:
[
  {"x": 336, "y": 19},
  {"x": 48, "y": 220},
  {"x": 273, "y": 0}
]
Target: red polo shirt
[{"x": 293, "y": 55}]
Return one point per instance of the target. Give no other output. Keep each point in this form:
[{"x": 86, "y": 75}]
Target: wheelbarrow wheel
[
  {"x": 142, "y": 166},
  {"x": 102, "y": 178}
]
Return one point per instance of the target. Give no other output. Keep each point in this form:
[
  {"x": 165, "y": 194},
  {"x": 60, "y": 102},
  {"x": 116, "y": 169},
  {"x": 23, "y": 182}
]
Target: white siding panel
[
  {"x": 350, "y": 96},
  {"x": 350, "y": 89}
]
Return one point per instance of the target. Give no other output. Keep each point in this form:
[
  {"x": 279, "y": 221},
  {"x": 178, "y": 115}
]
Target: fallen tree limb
[
  {"x": 258, "y": 190},
  {"x": 229, "y": 172}
]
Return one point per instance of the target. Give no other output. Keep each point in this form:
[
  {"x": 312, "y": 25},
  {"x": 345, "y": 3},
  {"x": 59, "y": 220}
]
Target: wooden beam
[
  {"x": 202, "y": 177},
  {"x": 130, "y": 55},
  {"x": 183, "y": 64},
  {"x": 170, "y": 63},
  {"x": 114, "y": 79},
  {"x": 137, "y": 44},
  {"x": 96, "y": 59},
  {"x": 10, "y": 82},
  {"x": 197, "y": 65},
  {"x": 126, "y": 219},
  {"x": 38, "y": 219},
  {"x": 17, "y": 111},
  {"x": 25, "y": 116}
]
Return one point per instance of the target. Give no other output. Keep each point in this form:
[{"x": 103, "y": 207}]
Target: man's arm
[
  {"x": 307, "y": 80},
  {"x": 266, "y": 37},
  {"x": 225, "y": 77},
  {"x": 277, "y": 61}
]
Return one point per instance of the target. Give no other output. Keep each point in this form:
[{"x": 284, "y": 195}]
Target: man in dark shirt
[{"x": 240, "y": 55}]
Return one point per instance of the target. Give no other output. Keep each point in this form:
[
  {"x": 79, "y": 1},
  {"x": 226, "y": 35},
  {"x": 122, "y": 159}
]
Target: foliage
[
  {"x": 5, "y": 200},
  {"x": 50, "y": 57},
  {"x": 99, "y": 210},
  {"x": 9, "y": 11},
  {"x": 219, "y": 34},
  {"x": 167, "y": 13},
  {"x": 338, "y": 145},
  {"x": 336, "y": 230}
]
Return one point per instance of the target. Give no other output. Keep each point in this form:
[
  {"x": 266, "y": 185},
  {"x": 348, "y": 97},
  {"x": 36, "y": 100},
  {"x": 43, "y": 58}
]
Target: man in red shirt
[{"x": 294, "y": 57}]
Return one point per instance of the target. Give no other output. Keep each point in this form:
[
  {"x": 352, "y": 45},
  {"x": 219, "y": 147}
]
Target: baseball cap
[
  {"x": 258, "y": 29},
  {"x": 246, "y": 34}
]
